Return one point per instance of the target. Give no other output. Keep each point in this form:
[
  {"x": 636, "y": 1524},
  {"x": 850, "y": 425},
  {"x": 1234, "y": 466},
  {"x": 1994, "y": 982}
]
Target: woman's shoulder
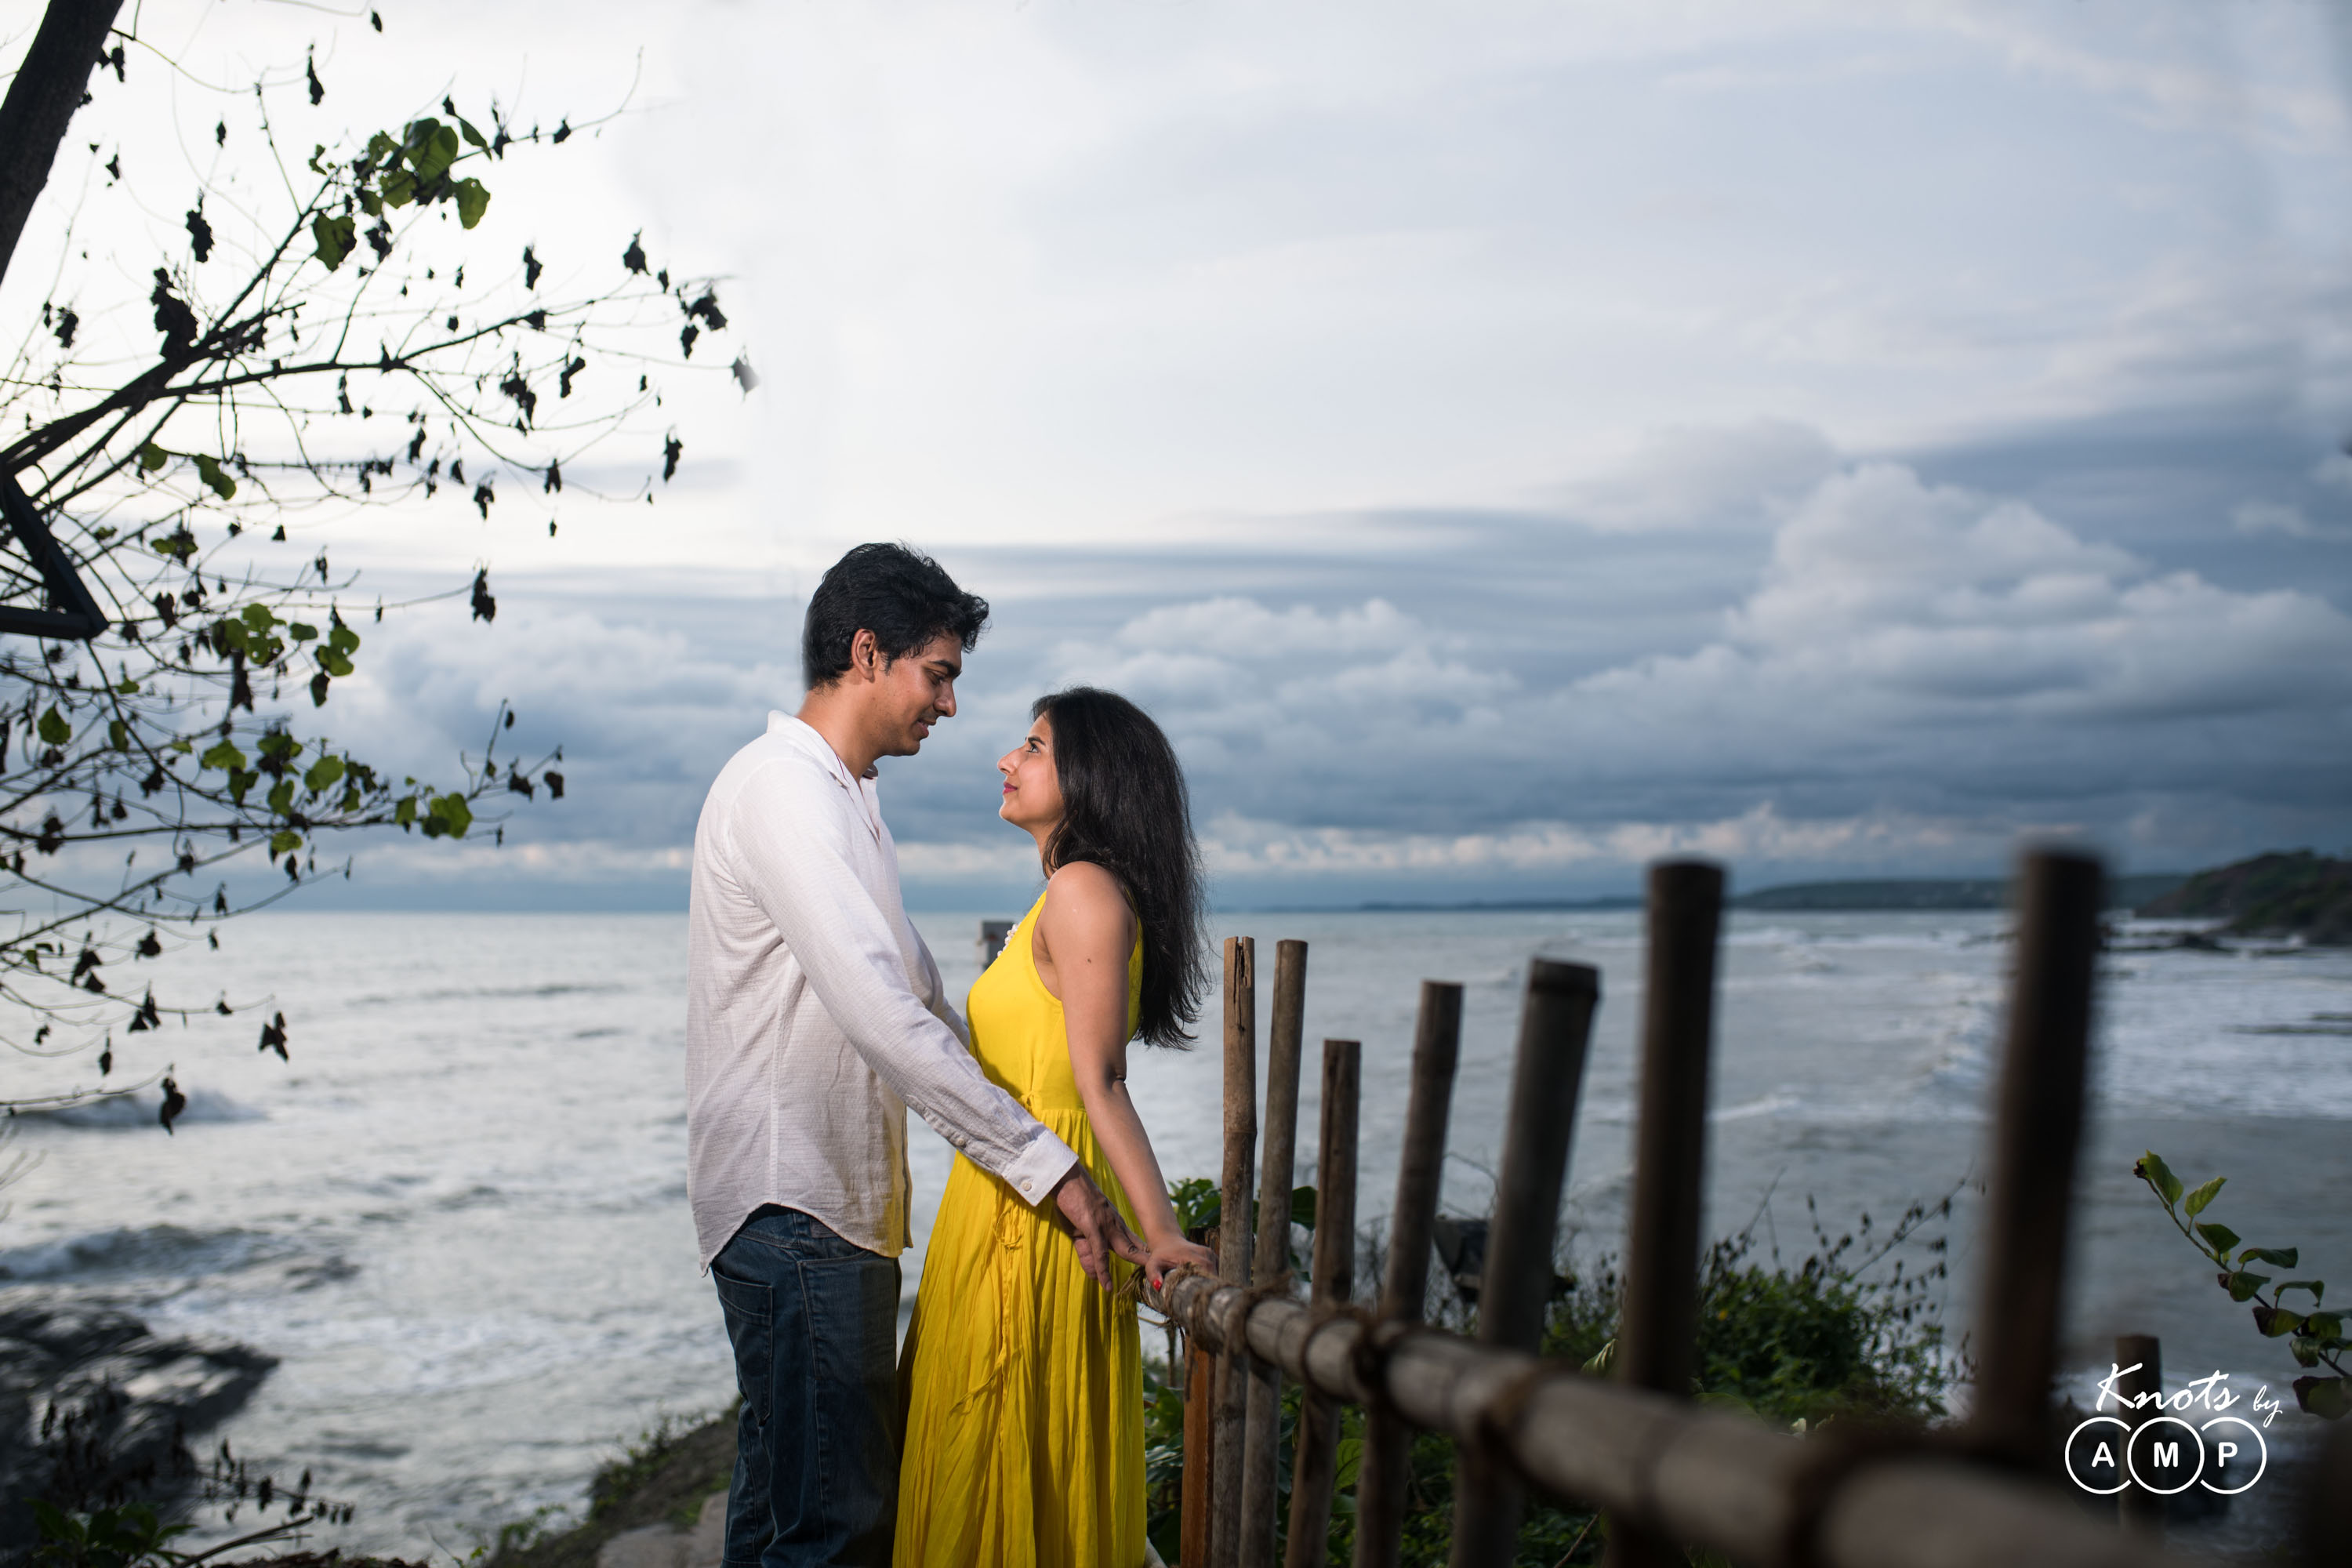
[{"x": 1084, "y": 893}]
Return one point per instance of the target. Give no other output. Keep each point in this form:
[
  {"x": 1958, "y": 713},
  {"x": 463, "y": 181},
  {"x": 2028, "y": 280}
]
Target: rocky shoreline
[{"x": 94, "y": 1406}]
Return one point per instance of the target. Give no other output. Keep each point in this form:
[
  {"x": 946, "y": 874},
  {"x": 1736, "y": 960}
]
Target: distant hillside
[
  {"x": 1945, "y": 893},
  {"x": 2303, "y": 894}
]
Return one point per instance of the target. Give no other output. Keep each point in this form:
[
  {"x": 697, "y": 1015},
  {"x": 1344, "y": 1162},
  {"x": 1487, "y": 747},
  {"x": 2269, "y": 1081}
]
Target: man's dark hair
[{"x": 900, "y": 595}]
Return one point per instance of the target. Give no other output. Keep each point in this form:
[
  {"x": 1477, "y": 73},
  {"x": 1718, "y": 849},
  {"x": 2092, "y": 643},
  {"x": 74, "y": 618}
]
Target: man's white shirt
[{"x": 815, "y": 1016}]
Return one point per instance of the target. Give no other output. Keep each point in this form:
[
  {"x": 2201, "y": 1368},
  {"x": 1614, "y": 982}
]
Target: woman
[{"x": 1025, "y": 1381}]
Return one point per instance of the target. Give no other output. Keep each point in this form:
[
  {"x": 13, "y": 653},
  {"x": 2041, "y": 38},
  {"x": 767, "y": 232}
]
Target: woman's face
[{"x": 1033, "y": 790}]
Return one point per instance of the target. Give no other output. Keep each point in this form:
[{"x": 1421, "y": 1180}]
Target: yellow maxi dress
[{"x": 1023, "y": 1380}]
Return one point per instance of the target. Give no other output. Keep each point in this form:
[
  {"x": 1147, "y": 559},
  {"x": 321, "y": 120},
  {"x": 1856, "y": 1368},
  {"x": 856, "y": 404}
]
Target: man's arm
[{"x": 782, "y": 836}]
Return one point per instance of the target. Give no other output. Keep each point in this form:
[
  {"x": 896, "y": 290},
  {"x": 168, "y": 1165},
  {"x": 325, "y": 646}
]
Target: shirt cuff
[{"x": 1041, "y": 1166}]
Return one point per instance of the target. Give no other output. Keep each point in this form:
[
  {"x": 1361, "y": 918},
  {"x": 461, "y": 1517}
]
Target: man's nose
[{"x": 947, "y": 702}]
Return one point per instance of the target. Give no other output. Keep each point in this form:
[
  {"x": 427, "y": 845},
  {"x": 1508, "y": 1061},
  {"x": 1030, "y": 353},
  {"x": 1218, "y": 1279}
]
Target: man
[{"x": 815, "y": 1017}]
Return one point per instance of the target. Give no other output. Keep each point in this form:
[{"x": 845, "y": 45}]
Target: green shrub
[{"x": 1851, "y": 1331}]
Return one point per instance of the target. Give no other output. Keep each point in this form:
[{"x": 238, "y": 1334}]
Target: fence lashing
[{"x": 1667, "y": 1472}]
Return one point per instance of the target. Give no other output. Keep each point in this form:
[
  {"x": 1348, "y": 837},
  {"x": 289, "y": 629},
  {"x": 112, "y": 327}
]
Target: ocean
[{"x": 458, "y": 1216}]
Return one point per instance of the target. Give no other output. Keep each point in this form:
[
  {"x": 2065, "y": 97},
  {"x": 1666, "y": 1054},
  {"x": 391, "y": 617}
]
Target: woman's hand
[{"x": 1175, "y": 1251}]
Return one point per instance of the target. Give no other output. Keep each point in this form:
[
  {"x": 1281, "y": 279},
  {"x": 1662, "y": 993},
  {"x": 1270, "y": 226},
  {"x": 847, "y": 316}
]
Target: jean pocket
[{"x": 750, "y": 1313}]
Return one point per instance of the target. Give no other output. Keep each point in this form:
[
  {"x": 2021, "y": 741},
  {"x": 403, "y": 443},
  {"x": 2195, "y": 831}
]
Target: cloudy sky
[{"x": 1502, "y": 442}]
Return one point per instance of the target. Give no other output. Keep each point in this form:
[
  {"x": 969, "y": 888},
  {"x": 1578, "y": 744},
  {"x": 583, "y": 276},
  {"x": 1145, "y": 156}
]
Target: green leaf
[
  {"x": 151, "y": 457},
  {"x": 473, "y": 200},
  {"x": 405, "y": 813},
  {"x": 399, "y": 188},
  {"x": 342, "y": 640},
  {"x": 432, "y": 148},
  {"x": 300, "y": 632},
  {"x": 2323, "y": 1396},
  {"x": 2305, "y": 1349},
  {"x": 2283, "y": 1256},
  {"x": 1348, "y": 1459},
  {"x": 371, "y": 201},
  {"x": 2157, "y": 1174},
  {"x": 455, "y": 815},
  {"x": 2205, "y": 1194},
  {"x": 208, "y": 469},
  {"x": 471, "y": 134},
  {"x": 283, "y": 840},
  {"x": 259, "y": 617},
  {"x": 333, "y": 663},
  {"x": 2324, "y": 1325},
  {"x": 1302, "y": 1206},
  {"x": 381, "y": 147},
  {"x": 230, "y": 637},
  {"x": 56, "y": 728},
  {"x": 223, "y": 755},
  {"x": 2220, "y": 1238},
  {"x": 118, "y": 734},
  {"x": 323, "y": 774},
  {"x": 2318, "y": 1288},
  {"x": 281, "y": 797},
  {"x": 240, "y": 782},
  {"x": 2244, "y": 1285},
  {"x": 2275, "y": 1324},
  {"x": 333, "y": 237}
]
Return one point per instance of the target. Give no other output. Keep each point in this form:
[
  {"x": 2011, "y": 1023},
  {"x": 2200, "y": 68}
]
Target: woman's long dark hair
[{"x": 1125, "y": 809}]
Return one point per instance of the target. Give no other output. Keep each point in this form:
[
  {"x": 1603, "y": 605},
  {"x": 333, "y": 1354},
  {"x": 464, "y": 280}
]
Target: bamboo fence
[{"x": 1670, "y": 1475}]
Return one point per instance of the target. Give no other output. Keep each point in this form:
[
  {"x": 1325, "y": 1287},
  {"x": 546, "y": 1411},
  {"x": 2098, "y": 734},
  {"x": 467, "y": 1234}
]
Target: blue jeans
[{"x": 813, "y": 1320}]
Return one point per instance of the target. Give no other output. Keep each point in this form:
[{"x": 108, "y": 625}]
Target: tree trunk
[{"x": 49, "y": 86}]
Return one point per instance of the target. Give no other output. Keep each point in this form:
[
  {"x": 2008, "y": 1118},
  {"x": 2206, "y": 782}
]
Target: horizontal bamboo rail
[
  {"x": 1668, "y": 1472},
  {"x": 1767, "y": 1499}
]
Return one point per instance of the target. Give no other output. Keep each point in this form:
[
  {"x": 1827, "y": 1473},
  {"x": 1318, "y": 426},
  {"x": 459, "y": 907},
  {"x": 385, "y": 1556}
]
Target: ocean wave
[
  {"x": 143, "y": 1108},
  {"x": 132, "y": 1252}
]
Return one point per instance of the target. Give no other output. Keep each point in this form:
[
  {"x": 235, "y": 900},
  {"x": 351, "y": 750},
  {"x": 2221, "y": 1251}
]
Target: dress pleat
[{"x": 1024, "y": 1381}]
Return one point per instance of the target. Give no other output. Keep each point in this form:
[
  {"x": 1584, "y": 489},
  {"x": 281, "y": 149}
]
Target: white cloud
[
  {"x": 2278, "y": 517},
  {"x": 1918, "y": 603},
  {"x": 1683, "y": 476}
]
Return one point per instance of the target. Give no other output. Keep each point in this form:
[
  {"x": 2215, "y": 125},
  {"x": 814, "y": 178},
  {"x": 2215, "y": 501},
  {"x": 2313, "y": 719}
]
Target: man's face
[{"x": 913, "y": 693}]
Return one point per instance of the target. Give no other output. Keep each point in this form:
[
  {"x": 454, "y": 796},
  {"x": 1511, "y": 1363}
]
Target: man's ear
[{"x": 865, "y": 659}]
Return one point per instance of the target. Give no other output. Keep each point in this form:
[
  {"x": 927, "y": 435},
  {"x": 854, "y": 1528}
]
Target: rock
[
  {"x": 93, "y": 1407},
  {"x": 667, "y": 1546},
  {"x": 708, "y": 1544}
]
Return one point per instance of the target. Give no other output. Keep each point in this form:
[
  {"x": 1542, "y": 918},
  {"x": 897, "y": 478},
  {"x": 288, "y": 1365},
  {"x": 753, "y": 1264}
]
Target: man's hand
[{"x": 1096, "y": 1225}]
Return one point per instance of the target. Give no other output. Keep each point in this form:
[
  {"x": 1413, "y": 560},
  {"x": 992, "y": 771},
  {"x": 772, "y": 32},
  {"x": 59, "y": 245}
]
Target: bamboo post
[
  {"x": 1726, "y": 1484},
  {"x": 1660, "y": 1316},
  {"x": 2038, "y": 1126},
  {"x": 1261, "y": 1448},
  {"x": 1314, "y": 1463},
  {"x": 1382, "y": 1478},
  {"x": 1555, "y": 1028},
  {"x": 1234, "y": 1242},
  {"x": 2140, "y": 1360},
  {"x": 1200, "y": 1439}
]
